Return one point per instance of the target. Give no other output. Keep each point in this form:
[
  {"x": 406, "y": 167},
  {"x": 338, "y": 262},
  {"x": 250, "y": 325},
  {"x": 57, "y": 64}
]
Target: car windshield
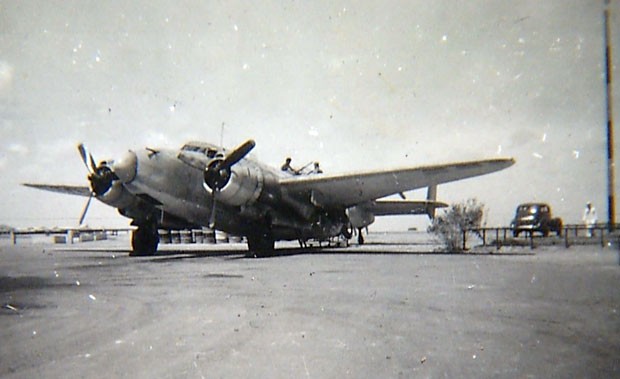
[{"x": 527, "y": 209}]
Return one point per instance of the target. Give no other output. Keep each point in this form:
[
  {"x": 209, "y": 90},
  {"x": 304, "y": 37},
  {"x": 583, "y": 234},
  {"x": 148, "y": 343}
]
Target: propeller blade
[
  {"x": 83, "y": 215},
  {"x": 213, "y": 205},
  {"x": 237, "y": 154},
  {"x": 93, "y": 165},
  {"x": 84, "y": 155},
  {"x": 87, "y": 158}
]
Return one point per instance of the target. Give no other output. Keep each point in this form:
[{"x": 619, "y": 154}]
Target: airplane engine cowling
[
  {"x": 360, "y": 216},
  {"x": 118, "y": 196},
  {"x": 244, "y": 186}
]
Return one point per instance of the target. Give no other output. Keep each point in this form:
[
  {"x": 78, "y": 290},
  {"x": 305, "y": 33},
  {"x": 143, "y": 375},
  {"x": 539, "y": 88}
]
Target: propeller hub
[
  {"x": 101, "y": 180},
  {"x": 215, "y": 176},
  {"x": 218, "y": 172}
]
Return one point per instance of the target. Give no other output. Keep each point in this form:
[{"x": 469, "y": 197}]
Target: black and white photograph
[{"x": 309, "y": 189}]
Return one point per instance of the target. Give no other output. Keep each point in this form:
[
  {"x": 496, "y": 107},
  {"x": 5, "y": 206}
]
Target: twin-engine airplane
[{"x": 207, "y": 185}]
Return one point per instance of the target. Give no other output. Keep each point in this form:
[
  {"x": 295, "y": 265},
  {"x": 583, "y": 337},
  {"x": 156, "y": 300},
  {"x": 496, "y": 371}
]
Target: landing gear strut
[{"x": 360, "y": 236}]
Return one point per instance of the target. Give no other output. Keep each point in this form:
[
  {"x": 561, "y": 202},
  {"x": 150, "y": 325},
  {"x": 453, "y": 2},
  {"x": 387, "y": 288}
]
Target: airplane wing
[
  {"x": 352, "y": 189},
  {"x": 60, "y": 188},
  {"x": 403, "y": 207}
]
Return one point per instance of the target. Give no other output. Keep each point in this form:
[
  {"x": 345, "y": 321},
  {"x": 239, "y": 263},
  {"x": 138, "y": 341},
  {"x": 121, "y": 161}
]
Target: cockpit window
[
  {"x": 206, "y": 149},
  {"x": 195, "y": 148}
]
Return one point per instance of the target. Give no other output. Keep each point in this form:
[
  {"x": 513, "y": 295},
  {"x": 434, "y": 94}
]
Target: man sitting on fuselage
[{"x": 286, "y": 167}]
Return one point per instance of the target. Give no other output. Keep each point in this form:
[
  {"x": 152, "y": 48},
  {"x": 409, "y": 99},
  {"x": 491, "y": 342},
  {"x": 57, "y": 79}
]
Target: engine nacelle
[
  {"x": 360, "y": 216},
  {"x": 118, "y": 196},
  {"x": 244, "y": 186}
]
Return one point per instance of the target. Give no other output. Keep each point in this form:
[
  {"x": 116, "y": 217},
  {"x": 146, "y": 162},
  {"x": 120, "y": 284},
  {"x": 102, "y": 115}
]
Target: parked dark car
[{"x": 535, "y": 217}]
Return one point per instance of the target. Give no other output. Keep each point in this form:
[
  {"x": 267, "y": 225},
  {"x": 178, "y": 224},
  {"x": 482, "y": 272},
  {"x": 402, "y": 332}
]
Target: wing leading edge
[
  {"x": 351, "y": 189},
  {"x": 60, "y": 188}
]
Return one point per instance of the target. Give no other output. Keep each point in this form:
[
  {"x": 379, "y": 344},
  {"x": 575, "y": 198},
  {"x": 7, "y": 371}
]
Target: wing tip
[{"x": 508, "y": 161}]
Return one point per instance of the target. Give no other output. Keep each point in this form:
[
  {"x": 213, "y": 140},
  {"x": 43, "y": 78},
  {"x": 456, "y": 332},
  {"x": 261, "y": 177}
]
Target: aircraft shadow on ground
[
  {"x": 172, "y": 254},
  {"x": 234, "y": 254}
]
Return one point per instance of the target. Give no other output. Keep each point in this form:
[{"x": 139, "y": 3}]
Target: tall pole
[{"x": 611, "y": 202}]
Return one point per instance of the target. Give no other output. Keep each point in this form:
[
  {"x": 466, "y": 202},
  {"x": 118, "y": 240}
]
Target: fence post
[
  {"x": 566, "y": 237},
  {"x": 497, "y": 243},
  {"x": 464, "y": 240},
  {"x": 531, "y": 240}
]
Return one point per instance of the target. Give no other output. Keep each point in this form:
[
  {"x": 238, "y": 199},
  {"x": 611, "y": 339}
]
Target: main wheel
[
  {"x": 347, "y": 231},
  {"x": 261, "y": 245},
  {"x": 144, "y": 241}
]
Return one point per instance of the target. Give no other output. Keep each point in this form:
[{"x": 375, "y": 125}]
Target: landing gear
[
  {"x": 360, "y": 236},
  {"x": 261, "y": 245},
  {"x": 347, "y": 231},
  {"x": 144, "y": 240}
]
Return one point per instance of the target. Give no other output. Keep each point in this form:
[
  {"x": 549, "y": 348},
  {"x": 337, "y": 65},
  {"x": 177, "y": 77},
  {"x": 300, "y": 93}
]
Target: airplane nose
[{"x": 126, "y": 167}]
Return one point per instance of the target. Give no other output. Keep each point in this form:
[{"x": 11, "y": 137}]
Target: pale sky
[{"x": 356, "y": 85}]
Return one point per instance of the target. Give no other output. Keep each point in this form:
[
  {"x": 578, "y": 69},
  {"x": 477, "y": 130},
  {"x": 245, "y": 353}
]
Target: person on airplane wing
[
  {"x": 286, "y": 167},
  {"x": 316, "y": 169}
]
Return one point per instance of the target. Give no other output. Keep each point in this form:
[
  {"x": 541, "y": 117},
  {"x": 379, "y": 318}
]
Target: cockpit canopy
[{"x": 211, "y": 151}]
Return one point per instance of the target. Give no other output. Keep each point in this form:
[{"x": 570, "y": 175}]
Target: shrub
[{"x": 449, "y": 226}]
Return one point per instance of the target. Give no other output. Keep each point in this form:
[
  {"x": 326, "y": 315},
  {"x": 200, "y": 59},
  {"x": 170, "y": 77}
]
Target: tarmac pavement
[{"x": 385, "y": 310}]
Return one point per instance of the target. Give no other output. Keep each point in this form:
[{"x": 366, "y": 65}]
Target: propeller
[
  {"x": 86, "y": 157},
  {"x": 101, "y": 177},
  {"x": 83, "y": 215},
  {"x": 218, "y": 173}
]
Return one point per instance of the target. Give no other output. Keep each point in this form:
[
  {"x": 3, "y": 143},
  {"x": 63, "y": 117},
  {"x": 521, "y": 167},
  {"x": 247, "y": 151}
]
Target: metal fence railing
[{"x": 572, "y": 234}]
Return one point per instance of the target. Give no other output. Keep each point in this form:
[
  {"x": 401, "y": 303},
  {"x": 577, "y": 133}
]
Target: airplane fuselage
[{"x": 251, "y": 202}]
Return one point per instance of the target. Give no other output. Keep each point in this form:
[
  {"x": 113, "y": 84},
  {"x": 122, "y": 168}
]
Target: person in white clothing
[{"x": 589, "y": 218}]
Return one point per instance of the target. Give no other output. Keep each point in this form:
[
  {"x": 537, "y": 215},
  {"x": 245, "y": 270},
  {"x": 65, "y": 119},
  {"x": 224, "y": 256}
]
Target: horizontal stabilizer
[{"x": 401, "y": 207}]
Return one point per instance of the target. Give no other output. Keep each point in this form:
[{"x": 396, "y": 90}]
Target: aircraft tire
[
  {"x": 347, "y": 231},
  {"x": 260, "y": 246},
  {"x": 144, "y": 241}
]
